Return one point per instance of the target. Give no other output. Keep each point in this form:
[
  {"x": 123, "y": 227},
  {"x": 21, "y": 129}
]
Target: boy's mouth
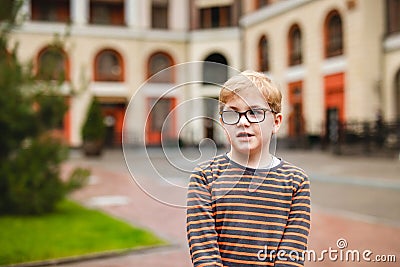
[{"x": 244, "y": 134}]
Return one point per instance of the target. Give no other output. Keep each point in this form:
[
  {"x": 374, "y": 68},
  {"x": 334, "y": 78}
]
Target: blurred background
[{"x": 337, "y": 63}]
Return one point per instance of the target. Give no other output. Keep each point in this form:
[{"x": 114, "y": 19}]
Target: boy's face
[{"x": 250, "y": 138}]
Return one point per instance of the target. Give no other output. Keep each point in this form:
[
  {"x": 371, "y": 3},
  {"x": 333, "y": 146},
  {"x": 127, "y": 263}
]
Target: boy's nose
[{"x": 243, "y": 121}]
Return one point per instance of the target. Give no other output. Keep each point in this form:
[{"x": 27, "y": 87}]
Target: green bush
[
  {"x": 93, "y": 128},
  {"x": 30, "y": 154},
  {"x": 30, "y": 181},
  {"x": 50, "y": 111},
  {"x": 32, "y": 178}
]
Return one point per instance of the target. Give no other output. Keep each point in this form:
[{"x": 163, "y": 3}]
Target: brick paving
[{"x": 111, "y": 178}]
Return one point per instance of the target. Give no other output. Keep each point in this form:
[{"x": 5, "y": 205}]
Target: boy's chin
[{"x": 244, "y": 149}]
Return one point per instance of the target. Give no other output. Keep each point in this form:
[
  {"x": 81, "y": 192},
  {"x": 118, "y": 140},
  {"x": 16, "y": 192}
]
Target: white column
[
  {"x": 132, "y": 13},
  {"x": 178, "y": 17},
  {"x": 80, "y": 11},
  {"x": 144, "y": 9}
]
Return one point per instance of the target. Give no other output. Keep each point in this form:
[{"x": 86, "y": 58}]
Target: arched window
[
  {"x": 109, "y": 66},
  {"x": 158, "y": 65},
  {"x": 52, "y": 64},
  {"x": 397, "y": 94},
  {"x": 215, "y": 73},
  {"x": 263, "y": 59},
  {"x": 333, "y": 35},
  {"x": 295, "y": 49}
]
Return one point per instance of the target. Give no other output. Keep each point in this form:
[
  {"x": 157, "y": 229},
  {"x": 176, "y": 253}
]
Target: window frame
[
  {"x": 215, "y": 17},
  {"x": 263, "y": 54},
  {"x": 116, "y": 13},
  {"x": 163, "y": 7},
  {"x": 151, "y": 72},
  {"x": 61, "y": 10},
  {"x": 295, "y": 46},
  {"x": 100, "y": 77},
  {"x": 334, "y": 41},
  {"x": 392, "y": 17},
  {"x": 66, "y": 64}
]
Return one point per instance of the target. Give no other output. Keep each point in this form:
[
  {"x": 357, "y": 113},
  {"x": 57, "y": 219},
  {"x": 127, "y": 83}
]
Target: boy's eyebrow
[
  {"x": 250, "y": 107},
  {"x": 256, "y": 106},
  {"x": 231, "y": 107}
]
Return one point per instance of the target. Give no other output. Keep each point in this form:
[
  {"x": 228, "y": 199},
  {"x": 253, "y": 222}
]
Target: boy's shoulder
[
  {"x": 294, "y": 170},
  {"x": 290, "y": 166}
]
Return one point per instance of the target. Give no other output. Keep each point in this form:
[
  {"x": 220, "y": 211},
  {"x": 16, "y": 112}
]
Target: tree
[{"x": 30, "y": 155}]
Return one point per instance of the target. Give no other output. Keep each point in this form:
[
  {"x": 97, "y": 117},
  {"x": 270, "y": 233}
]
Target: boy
[{"x": 247, "y": 207}]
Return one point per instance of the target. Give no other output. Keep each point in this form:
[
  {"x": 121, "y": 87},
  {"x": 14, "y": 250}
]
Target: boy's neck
[{"x": 252, "y": 160}]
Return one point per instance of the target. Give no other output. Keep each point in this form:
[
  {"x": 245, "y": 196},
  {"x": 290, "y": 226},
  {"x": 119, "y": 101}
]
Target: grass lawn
[{"x": 72, "y": 230}]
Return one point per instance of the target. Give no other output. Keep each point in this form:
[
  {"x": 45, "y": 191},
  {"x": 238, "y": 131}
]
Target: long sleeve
[
  {"x": 201, "y": 233},
  {"x": 295, "y": 236}
]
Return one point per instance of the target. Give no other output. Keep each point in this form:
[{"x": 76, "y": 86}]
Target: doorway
[{"x": 160, "y": 124}]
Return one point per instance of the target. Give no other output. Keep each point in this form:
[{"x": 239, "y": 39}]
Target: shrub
[
  {"x": 93, "y": 128},
  {"x": 32, "y": 178},
  {"x": 30, "y": 155}
]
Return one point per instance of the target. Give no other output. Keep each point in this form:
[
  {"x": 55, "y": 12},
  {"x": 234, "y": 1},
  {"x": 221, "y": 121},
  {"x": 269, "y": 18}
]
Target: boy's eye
[{"x": 255, "y": 112}]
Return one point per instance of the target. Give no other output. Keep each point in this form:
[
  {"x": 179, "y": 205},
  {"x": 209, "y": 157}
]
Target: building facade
[{"x": 335, "y": 61}]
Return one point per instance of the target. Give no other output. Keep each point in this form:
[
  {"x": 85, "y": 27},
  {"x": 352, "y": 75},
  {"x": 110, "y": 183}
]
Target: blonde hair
[{"x": 251, "y": 79}]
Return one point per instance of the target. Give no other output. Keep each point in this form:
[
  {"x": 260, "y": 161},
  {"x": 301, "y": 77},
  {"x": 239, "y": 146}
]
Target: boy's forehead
[{"x": 246, "y": 98}]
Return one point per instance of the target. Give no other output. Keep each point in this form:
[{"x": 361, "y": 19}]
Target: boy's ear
[{"x": 277, "y": 122}]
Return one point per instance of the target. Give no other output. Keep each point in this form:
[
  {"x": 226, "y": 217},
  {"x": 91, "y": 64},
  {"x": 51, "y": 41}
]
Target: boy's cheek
[{"x": 227, "y": 136}]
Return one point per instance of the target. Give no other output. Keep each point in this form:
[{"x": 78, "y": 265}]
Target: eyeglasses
[{"x": 256, "y": 115}]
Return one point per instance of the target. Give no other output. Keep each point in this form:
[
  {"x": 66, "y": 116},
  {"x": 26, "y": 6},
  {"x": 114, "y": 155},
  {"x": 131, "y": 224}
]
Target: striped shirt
[{"x": 239, "y": 216}]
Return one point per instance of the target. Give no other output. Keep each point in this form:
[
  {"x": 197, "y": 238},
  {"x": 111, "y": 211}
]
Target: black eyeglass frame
[{"x": 245, "y": 115}]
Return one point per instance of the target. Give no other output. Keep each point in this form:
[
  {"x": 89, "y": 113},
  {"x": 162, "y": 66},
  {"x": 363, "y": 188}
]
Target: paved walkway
[{"x": 112, "y": 190}]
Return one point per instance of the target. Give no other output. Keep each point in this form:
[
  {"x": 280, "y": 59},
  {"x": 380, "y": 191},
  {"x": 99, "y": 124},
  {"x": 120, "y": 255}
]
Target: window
[
  {"x": 158, "y": 65},
  {"x": 107, "y": 12},
  {"x": 159, "y": 114},
  {"x": 261, "y": 3},
  {"x": 108, "y": 66},
  {"x": 295, "y": 51},
  {"x": 296, "y": 120},
  {"x": 215, "y": 17},
  {"x": 52, "y": 64},
  {"x": 215, "y": 73},
  {"x": 333, "y": 35},
  {"x": 50, "y": 10},
  {"x": 159, "y": 14},
  {"x": 263, "y": 58},
  {"x": 397, "y": 95},
  {"x": 393, "y": 16}
]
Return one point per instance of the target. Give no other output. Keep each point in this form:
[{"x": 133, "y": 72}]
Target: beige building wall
[
  {"x": 363, "y": 51},
  {"x": 391, "y": 68},
  {"x": 81, "y": 52},
  {"x": 202, "y": 43},
  {"x": 370, "y": 62},
  {"x": 361, "y": 61}
]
